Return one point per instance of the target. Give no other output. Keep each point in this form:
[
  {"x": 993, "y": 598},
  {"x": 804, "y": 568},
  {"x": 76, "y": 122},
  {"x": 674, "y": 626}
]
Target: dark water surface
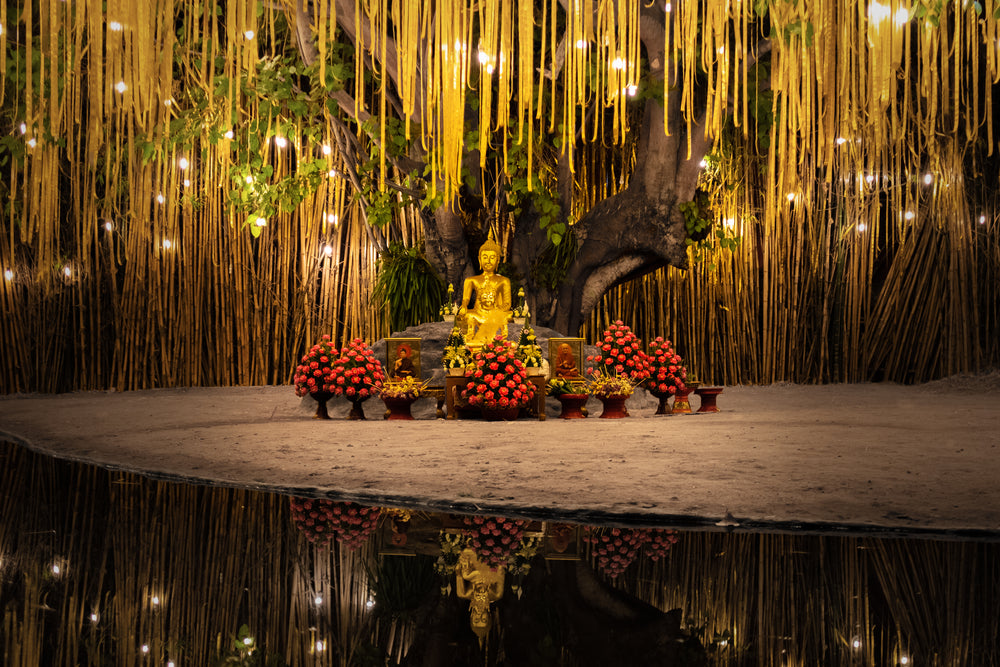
[{"x": 100, "y": 567}]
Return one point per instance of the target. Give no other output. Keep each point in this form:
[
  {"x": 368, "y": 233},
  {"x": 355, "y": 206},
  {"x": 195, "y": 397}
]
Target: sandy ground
[{"x": 871, "y": 457}]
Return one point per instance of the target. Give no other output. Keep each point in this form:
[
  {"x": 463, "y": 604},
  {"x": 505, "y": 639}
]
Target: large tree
[{"x": 634, "y": 231}]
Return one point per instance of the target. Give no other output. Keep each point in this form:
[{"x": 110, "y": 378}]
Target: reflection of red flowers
[
  {"x": 493, "y": 538},
  {"x": 620, "y": 350},
  {"x": 321, "y": 520},
  {"x": 614, "y": 549},
  {"x": 667, "y": 375}
]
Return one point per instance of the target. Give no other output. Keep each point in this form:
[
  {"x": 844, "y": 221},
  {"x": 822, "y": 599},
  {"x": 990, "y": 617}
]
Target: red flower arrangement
[
  {"x": 322, "y": 520},
  {"x": 312, "y": 375},
  {"x": 668, "y": 374},
  {"x": 493, "y": 538},
  {"x": 497, "y": 378},
  {"x": 620, "y": 353},
  {"x": 660, "y": 542},
  {"x": 356, "y": 374}
]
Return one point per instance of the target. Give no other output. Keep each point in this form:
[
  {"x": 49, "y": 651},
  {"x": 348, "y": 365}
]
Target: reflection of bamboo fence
[{"x": 216, "y": 559}]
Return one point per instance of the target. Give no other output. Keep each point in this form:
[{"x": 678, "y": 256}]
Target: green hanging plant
[{"x": 408, "y": 285}]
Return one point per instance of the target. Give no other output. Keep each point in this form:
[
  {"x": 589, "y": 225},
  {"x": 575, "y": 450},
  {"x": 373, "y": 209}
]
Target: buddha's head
[{"x": 489, "y": 254}]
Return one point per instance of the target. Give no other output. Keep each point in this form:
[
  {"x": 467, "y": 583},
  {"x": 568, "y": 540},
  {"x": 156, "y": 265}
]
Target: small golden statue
[
  {"x": 481, "y": 586},
  {"x": 491, "y": 309}
]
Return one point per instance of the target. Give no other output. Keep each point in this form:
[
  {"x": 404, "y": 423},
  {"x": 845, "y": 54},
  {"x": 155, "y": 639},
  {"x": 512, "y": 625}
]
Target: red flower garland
[
  {"x": 312, "y": 376},
  {"x": 498, "y": 378},
  {"x": 620, "y": 353},
  {"x": 356, "y": 374},
  {"x": 321, "y": 520},
  {"x": 668, "y": 374},
  {"x": 493, "y": 538}
]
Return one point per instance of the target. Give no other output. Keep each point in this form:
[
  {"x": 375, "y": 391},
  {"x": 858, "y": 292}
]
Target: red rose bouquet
[
  {"x": 496, "y": 378},
  {"x": 312, "y": 375},
  {"x": 321, "y": 520},
  {"x": 668, "y": 374},
  {"x": 357, "y": 375},
  {"x": 660, "y": 541},
  {"x": 619, "y": 352},
  {"x": 493, "y": 538}
]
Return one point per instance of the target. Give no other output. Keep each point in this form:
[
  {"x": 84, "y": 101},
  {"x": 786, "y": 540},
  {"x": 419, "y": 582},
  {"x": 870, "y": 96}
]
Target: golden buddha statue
[
  {"x": 490, "y": 296},
  {"x": 481, "y": 586}
]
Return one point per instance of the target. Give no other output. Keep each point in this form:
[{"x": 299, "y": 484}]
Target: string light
[
  {"x": 229, "y": 134},
  {"x": 370, "y": 603},
  {"x": 167, "y": 103},
  {"x": 326, "y": 149},
  {"x": 484, "y": 57},
  {"x": 108, "y": 226},
  {"x": 187, "y": 182},
  {"x": 632, "y": 90},
  {"x": 982, "y": 219},
  {"x": 261, "y": 222},
  {"x": 928, "y": 178},
  {"x": 489, "y": 69},
  {"x": 115, "y": 25},
  {"x": 94, "y": 617},
  {"x": 155, "y": 600},
  {"x": 145, "y": 648},
  {"x": 790, "y": 196},
  {"x": 167, "y": 244},
  {"x": 910, "y": 215},
  {"x": 904, "y": 659},
  {"x": 856, "y": 642},
  {"x": 247, "y": 641},
  {"x": 280, "y": 142},
  {"x": 121, "y": 87},
  {"x": 862, "y": 227},
  {"x": 32, "y": 143},
  {"x": 902, "y": 16},
  {"x": 320, "y": 646},
  {"x": 55, "y": 568},
  {"x": 581, "y": 43},
  {"x": 618, "y": 63},
  {"x": 23, "y": 127},
  {"x": 160, "y": 198},
  {"x": 8, "y": 274},
  {"x": 332, "y": 173},
  {"x": 249, "y": 180},
  {"x": 318, "y": 600},
  {"x": 68, "y": 272},
  {"x": 331, "y": 218},
  {"x": 841, "y": 141},
  {"x": 183, "y": 163},
  {"x": 667, "y": 8},
  {"x": 703, "y": 163},
  {"x": 328, "y": 250},
  {"x": 249, "y": 35}
]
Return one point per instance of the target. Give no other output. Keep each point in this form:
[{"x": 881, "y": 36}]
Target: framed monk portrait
[
  {"x": 403, "y": 355},
  {"x": 566, "y": 358}
]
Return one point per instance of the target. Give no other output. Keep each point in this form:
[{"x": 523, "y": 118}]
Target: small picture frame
[
  {"x": 563, "y": 541},
  {"x": 403, "y": 355},
  {"x": 566, "y": 358}
]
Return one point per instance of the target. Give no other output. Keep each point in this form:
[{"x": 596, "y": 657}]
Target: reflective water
[{"x": 105, "y": 568}]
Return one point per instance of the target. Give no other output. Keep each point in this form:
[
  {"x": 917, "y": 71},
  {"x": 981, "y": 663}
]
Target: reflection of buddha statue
[
  {"x": 566, "y": 362},
  {"x": 490, "y": 310},
  {"x": 481, "y": 586}
]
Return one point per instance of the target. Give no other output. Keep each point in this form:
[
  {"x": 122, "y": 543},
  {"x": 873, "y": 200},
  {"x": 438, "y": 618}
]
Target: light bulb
[
  {"x": 145, "y": 648},
  {"x": 320, "y": 646},
  {"x": 261, "y": 222},
  {"x": 790, "y": 196},
  {"x": 928, "y": 178},
  {"x": 904, "y": 660},
  {"x": 328, "y": 250},
  {"x": 703, "y": 163},
  {"x": 489, "y": 69},
  {"x": 332, "y": 173},
  {"x": 115, "y": 25},
  {"x": 326, "y": 149},
  {"x": 32, "y": 142},
  {"x": 160, "y": 198},
  {"x": 280, "y": 142},
  {"x": 187, "y": 182},
  {"x": 68, "y": 272},
  {"x": 183, "y": 163},
  {"x": 632, "y": 90},
  {"x": 318, "y": 600},
  {"x": 667, "y": 7},
  {"x": 229, "y": 134},
  {"x": 902, "y": 16},
  {"x": 909, "y": 215},
  {"x": 331, "y": 218},
  {"x": 581, "y": 43},
  {"x": 167, "y": 245},
  {"x": 108, "y": 226},
  {"x": 167, "y": 103},
  {"x": 248, "y": 34},
  {"x": 155, "y": 600},
  {"x": 618, "y": 63},
  {"x": 841, "y": 141},
  {"x": 121, "y": 87},
  {"x": 249, "y": 180},
  {"x": 8, "y": 274},
  {"x": 862, "y": 227},
  {"x": 370, "y": 603},
  {"x": 247, "y": 641},
  {"x": 23, "y": 127},
  {"x": 982, "y": 219},
  {"x": 94, "y": 618},
  {"x": 483, "y": 57}
]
